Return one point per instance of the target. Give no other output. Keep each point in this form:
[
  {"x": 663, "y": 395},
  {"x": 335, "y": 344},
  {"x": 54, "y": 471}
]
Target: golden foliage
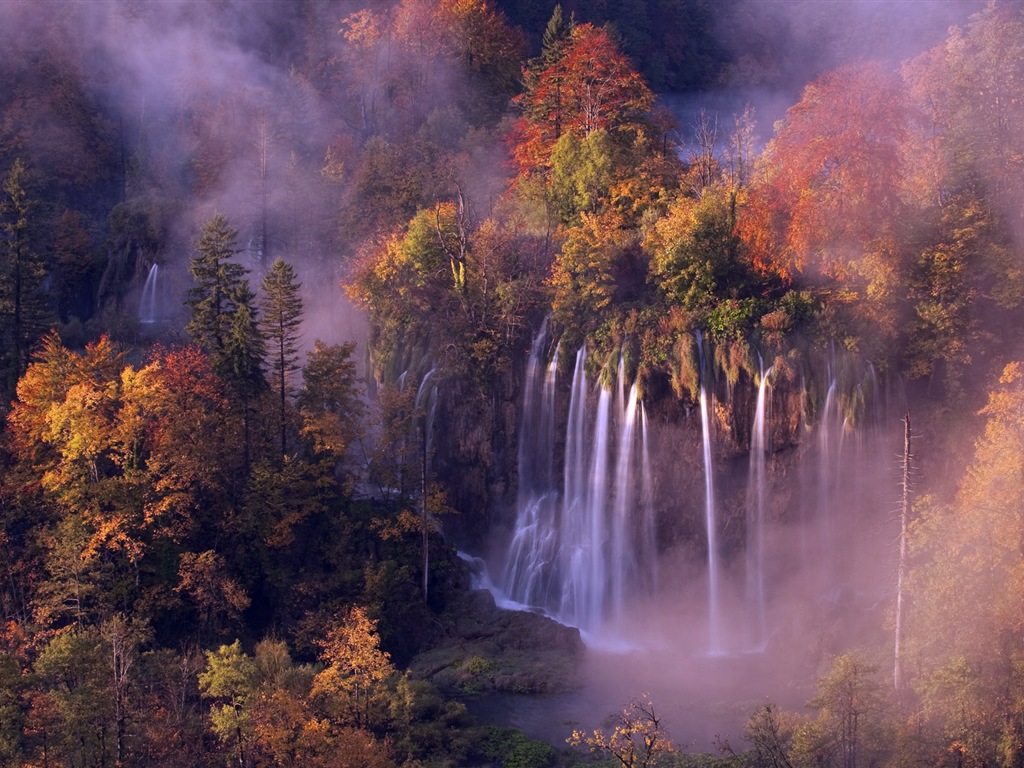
[{"x": 637, "y": 738}]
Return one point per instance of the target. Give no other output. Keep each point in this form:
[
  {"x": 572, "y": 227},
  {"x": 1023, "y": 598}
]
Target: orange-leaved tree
[
  {"x": 827, "y": 209},
  {"x": 589, "y": 85}
]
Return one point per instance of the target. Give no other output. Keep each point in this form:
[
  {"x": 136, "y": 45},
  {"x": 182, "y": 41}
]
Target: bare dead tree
[{"x": 901, "y": 571}]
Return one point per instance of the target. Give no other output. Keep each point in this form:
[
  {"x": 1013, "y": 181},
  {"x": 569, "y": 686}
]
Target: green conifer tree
[
  {"x": 211, "y": 300},
  {"x": 281, "y": 307},
  {"x": 224, "y": 317},
  {"x": 25, "y": 311}
]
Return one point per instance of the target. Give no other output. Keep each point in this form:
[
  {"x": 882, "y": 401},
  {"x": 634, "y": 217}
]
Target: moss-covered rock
[{"x": 485, "y": 648}]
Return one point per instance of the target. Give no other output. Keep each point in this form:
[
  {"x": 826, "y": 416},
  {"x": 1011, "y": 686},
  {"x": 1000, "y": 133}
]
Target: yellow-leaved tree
[
  {"x": 353, "y": 688},
  {"x": 637, "y": 738},
  {"x": 966, "y": 624}
]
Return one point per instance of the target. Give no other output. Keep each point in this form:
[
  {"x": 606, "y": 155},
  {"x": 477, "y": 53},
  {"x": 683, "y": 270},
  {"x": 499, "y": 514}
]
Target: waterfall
[
  {"x": 583, "y": 542},
  {"x": 648, "y": 542},
  {"x": 710, "y": 517},
  {"x": 595, "y": 521},
  {"x": 426, "y": 398},
  {"x": 147, "y": 301},
  {"x": 534, "y": 543},
  {"x": 829, "y": 440},
  {"x": 623, "y": 556},
  {"x": 710, "y": 521},
  {"x": 757, "y": 492}
]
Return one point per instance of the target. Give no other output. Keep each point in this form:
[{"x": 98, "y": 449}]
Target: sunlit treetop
[
  {"x": 589, "y": 85},
  {"x": 832, "y": 175}
]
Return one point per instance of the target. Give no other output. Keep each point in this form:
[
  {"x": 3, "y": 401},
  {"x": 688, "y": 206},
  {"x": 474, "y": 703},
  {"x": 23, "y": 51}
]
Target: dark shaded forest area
[{"x": 270, "y": 273}]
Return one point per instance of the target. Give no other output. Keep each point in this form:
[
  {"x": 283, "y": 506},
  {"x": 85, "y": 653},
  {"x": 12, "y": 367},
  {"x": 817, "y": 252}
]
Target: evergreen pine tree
[
  {"x": 224, "y": 315},
  {"x": 244, "y": 351},
  {"x": 281, "y": 308},
  {"x": 212, "y": 300},
  {"x": 24, "y": 310}
]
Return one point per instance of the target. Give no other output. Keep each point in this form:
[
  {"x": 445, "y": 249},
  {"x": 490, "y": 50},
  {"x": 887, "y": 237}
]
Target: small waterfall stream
[{"x": 148, "y": 306}]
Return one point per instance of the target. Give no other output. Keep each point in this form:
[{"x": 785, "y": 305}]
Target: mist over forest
[{"x": 477, "y": 383}]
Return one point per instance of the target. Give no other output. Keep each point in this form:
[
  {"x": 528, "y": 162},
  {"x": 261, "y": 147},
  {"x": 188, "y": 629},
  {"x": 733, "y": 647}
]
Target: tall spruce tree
[
  {"x": 281, "y": 309},
  {"x": 212, "y": 299},
  {"x": 244, "y": 352},
  {"x": 224, "y": 316},
  {"x": 24, "y": 309}
]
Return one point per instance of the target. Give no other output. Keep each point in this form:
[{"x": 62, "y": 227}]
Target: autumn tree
[
  {"x": 73, "y": 679},
  {"x": 230, "y": 679},
  {"x": 770, "y": 734},
  {"x": 638, "y": 738},
  {"x": 181, "y": 425},
  {"x": 488, "y": 52},
  {"x": 966, "y": 184},
  {"x": 827, "y": 208},
  {"x": 353, "y": 686},
  {"x": 589, "y": 85},
  {"x": 411, "y": 282},
  {"x": 964, "y": 632},
  {"x": 697, "y": 257},
  {"x": 329, "y": 401},
  {"x": 849, "y": 729},
  {"x": 596, "y": 267},
  {"x": 966, "y": 88},
  {"x": 66, "y": 424},
  {"x": 263, "y": 715},
  {"x": 219, "y": 599},
  {"x": 281, "y": 310}
]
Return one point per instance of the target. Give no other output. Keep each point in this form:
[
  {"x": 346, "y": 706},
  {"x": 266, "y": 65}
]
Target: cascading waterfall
[
  {"x": 710, "y": 516},
  {"x": 711, "y": 524},
  {"x": 147, "y": 301},
  {"x": 623, "y": 554},
  {"x": 649, "y": 546},
  {"x": 757, "y": 494},
  {"x": 533, "y": 548},
  {"x": 586, "y": 581},
  {"x": 584, "y": 546},
  {"x": 583, "y": 543}
]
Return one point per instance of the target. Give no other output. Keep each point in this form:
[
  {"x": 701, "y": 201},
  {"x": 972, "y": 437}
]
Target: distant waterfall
[
  {"x": 148, "y": 308},
  {"x": 583, "y": 543},
  {"x": 757, "y": 493}
]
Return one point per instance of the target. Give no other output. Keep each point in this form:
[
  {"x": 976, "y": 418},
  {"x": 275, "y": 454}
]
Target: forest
[{"x": 365, "y": 364}]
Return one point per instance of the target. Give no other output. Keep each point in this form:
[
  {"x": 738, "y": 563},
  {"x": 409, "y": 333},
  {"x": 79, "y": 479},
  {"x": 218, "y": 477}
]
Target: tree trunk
[{"x": 897, "y": 674}]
